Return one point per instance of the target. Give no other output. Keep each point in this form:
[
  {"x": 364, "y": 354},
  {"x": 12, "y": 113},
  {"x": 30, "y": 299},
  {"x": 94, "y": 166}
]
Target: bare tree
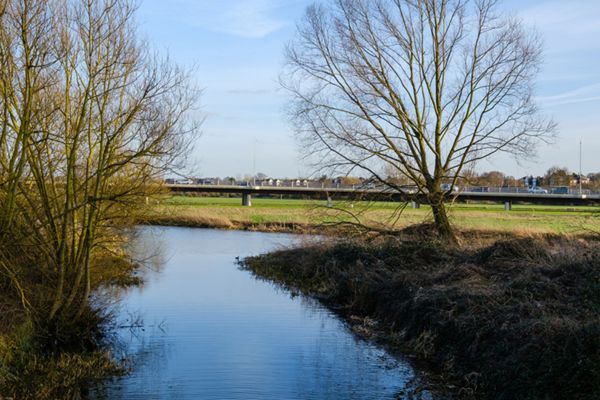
[
  {"x": 90, "y": 119},
  {"x": 557, "y": 176},
  {"x": 428, "y": 87},
  {"x": 491, "y": 178}
]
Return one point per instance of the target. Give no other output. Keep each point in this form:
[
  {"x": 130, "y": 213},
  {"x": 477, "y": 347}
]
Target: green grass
[
  {"x": 483, "y": 216},
  {"x": 380, "y": 205},
  {"x": 237, "y": 202}
]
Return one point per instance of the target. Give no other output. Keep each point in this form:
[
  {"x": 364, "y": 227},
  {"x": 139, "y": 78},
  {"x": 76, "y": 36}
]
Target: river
[{"x": 213, "y": 331}]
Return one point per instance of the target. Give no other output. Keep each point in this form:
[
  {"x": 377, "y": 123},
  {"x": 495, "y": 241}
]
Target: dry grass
[
  {"x": 510, "y": 317},
  {"x": 241, "y": 219}
]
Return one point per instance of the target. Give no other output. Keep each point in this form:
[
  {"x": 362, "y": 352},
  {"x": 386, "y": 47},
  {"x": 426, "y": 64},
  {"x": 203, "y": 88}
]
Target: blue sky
[{"x": 236, "y": 47}]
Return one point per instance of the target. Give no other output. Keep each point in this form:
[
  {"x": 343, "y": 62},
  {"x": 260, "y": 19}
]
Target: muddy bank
[{"x": 499, "y": 318}]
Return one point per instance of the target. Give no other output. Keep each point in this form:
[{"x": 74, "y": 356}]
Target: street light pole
[
  {"x": 254, "y": 163},
  {"x": 580, "y": 176}
]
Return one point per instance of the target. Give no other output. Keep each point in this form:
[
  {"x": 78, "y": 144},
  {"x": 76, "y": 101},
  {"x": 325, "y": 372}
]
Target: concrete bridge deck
[{"x": 387, "y": 195}]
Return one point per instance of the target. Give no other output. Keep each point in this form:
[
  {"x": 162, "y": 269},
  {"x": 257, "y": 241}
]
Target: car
[
  {"x": 447, "y": 187},
  {"x": 184, "y": 181},
  {"x": 537, "y": 190},
  {"x": 560, "y": 190},
  {"x": 480, "y": 189},
  {"x": 410, "y": 189}
]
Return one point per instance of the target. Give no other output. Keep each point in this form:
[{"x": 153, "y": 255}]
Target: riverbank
[
  {"x": 39, "y": 367},
  {"x": 500, "y": 318},
  {"x": 312, "y": 216}
]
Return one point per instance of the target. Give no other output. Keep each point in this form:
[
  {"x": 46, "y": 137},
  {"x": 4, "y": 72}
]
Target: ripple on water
[{"x": 212, "y": 331}]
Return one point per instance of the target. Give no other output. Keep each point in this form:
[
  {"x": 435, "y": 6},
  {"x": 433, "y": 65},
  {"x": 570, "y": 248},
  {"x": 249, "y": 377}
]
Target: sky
[{"x": 236, "y": 50}]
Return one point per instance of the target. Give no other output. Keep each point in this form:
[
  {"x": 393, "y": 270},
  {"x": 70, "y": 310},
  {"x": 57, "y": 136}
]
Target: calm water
[{"x": 212, "y": 331}]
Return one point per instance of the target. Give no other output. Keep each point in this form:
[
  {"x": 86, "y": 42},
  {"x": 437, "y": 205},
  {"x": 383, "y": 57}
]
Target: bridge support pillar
[
  {"x": 246, "y": 200},
  {"x": 415, "y": 205},
  {"x": 507, "y": 206}
]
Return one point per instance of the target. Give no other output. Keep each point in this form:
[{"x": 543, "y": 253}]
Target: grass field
[{"x": 225, "y": 212}]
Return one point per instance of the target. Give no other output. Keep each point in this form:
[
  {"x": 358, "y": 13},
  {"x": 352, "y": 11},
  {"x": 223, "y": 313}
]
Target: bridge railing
[{"x": 327, "y": 186}]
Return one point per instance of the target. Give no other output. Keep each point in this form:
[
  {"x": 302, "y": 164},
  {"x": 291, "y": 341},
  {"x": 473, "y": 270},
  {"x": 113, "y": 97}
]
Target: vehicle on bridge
[
  {"x": 410, "y": 189},
  {"x": 447, "y": 187},
  {"x": 537, "y": 190},
  {"x": 560, "y": 190}
]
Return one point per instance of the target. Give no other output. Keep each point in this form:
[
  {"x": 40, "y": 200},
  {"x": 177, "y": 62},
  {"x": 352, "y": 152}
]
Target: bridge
[{"x": 415, "y": 199}]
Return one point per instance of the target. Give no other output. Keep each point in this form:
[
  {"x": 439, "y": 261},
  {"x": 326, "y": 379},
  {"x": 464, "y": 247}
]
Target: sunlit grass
[{"x": 488, "y": 216}]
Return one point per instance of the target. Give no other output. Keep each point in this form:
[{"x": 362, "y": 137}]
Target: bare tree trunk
[{"x": 440, "y": 217}]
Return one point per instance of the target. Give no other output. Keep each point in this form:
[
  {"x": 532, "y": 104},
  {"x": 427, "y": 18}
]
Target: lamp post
[
  {"x": 254, "y": 163},
  {"x": 580, "y": 176}
]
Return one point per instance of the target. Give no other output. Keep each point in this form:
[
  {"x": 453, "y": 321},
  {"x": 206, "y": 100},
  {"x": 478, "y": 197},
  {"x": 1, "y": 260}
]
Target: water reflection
[{"x": 212, "y": 331}]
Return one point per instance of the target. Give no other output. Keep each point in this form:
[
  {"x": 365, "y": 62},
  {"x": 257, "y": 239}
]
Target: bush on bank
[
  {"x": 27, "y": 373},
  {"x": 46, "y": 361},
  {"x": 513, "y": 319}
]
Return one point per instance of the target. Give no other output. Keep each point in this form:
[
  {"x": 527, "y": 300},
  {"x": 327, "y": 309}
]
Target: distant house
[
  {"x": 268, "y": 182},
  {"x": 584, "y": 180}
]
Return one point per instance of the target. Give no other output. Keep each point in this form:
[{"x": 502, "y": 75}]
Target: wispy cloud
[
  {"x": 584, "y": 94},
  {"x": 252, "y": 18},
  {"x": 250, "y": 91},
  {"x": 566, "y": 25},
  {"x": 243, "y": 18}
]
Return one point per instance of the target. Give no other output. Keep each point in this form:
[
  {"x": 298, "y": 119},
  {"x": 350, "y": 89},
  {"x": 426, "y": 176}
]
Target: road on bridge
[{"x": 387, "y": 195}]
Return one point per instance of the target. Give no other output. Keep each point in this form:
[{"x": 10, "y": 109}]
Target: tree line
[{"x": 555, "y": 176}]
